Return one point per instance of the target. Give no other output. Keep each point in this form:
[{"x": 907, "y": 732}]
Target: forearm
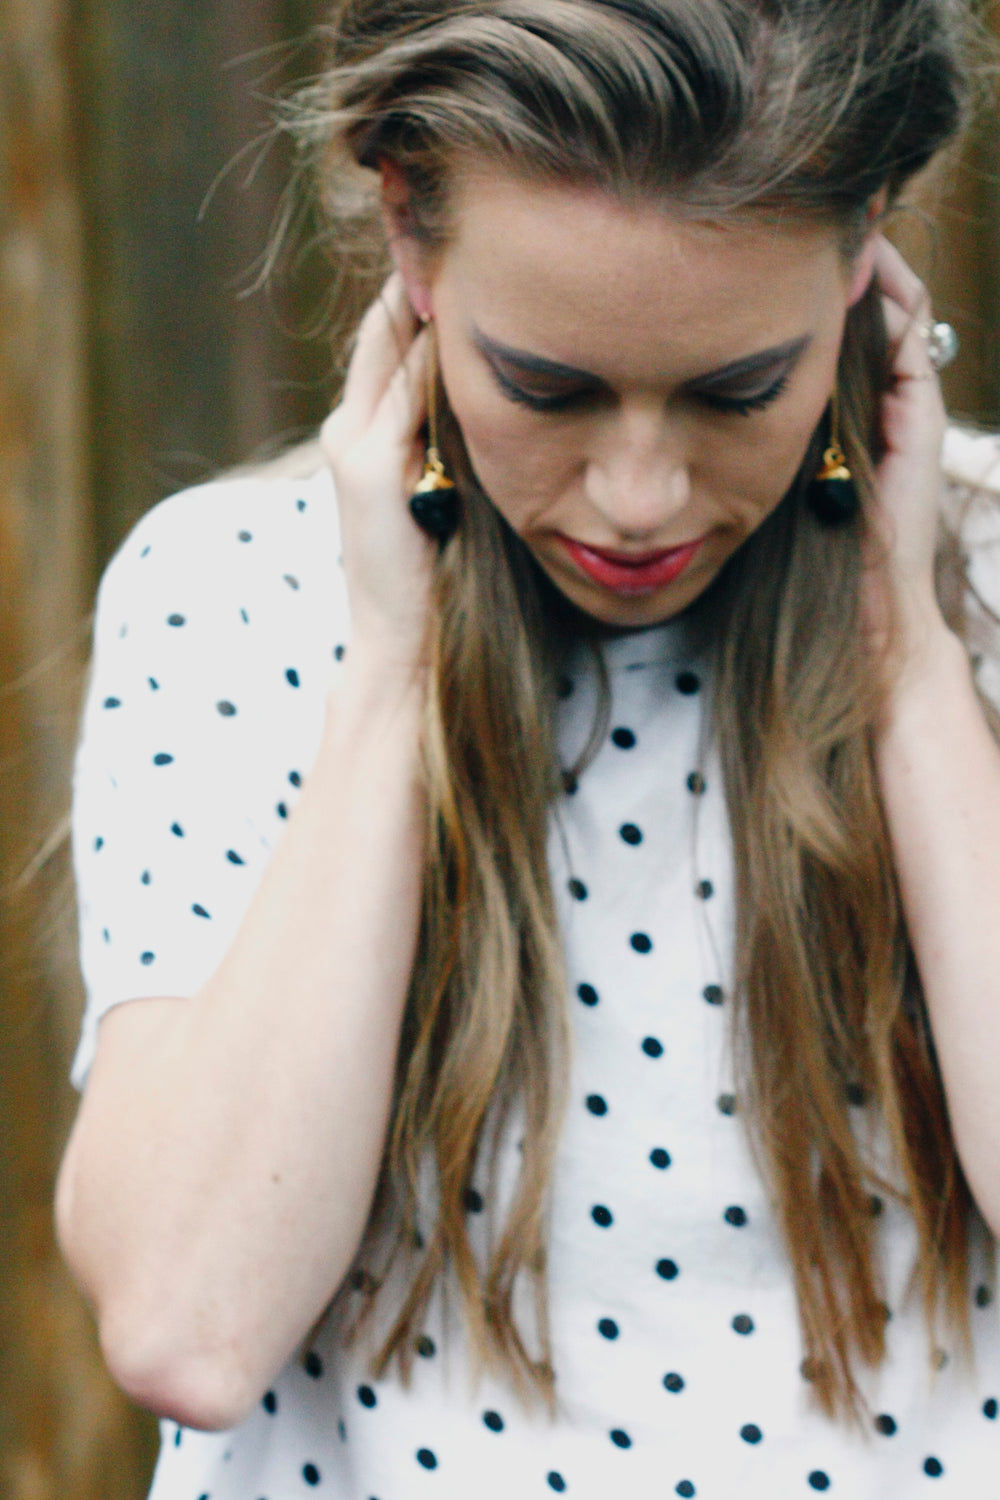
[
  {"x": 939, "y": 771},
  {"x": 214, "y": 1196}
]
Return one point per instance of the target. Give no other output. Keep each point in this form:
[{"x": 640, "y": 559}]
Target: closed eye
[
  {"x": 744, "y": 406},
  {"x": 560, "y": 401}
]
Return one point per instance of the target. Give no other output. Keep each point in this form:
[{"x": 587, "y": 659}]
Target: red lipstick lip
[{"x": 631, "y": 573}]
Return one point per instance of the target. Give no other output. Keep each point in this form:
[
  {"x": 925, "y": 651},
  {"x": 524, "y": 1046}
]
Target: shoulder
[{"x": 257, "y": 546}]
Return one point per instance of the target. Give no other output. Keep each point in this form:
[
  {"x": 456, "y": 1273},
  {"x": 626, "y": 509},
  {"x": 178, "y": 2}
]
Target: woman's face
[{"x": 636, "y": 391}]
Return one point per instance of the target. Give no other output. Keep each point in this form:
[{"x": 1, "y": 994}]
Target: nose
[{"x": 637, "y": 472}]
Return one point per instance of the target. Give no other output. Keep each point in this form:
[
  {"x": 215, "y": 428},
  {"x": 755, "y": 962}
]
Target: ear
[
  {"x": 863, "y": 266},
  {"x": 408, "y": 255}
]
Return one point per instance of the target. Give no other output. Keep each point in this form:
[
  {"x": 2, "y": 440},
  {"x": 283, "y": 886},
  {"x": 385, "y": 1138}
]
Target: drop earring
[
  {"x": 434, "y": 502},
  {"x": 832, "y": 493}
]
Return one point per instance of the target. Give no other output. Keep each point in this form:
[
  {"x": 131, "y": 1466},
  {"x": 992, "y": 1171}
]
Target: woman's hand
[
  {"x": 899, "y": 578},
  {"x": 372, "y": 443}
]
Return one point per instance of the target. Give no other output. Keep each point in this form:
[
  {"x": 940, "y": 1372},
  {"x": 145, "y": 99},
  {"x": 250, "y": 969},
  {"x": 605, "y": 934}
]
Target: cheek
[{"x": 519, "y": 467}]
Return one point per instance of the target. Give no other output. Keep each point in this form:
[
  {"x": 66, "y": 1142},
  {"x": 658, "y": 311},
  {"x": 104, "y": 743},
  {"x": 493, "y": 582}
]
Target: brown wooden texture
[{"x": 132, "y": 360}]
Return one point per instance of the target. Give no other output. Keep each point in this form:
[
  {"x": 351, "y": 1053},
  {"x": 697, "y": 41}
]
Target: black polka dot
[
  {"x": 596, "y": 1104},
  {"x": 687, "y": 683},
  {"x": 619, "y": 1438},
  {"x": 178, "y": 1437},
  {"x": 587, "y": 994},
  {"x": 933, "y": 1468},
  {"x": 856, "y": 1095},
  {"x": 338, "y": 653},
  {"x": 667, "y": 1269},
  {"x": 281, "y": 810},
  {"x": 876, "y": 1205},
  {"x": 472, "y": 1200},
  {"x": 608, "y": 1328},
  {"x": 147, "y": 958},
  {"x": 300, "y": 505},
  {"x": 577, "y": 889},
  {"x": 270, "y": 1403},
  {"x": 713, "y": 993},
  {"x": 295, "y": 778},
  {"x": 310, "y": 1473},
  {"x": 652, "y": 1047},
  {"x": 673, "y": 1382},
  {"x": 630, "y": 833},
  {"x": 177, "y": 830},
  {"x": 555, "y": 1481},
  {"x": 751, "y": 1433},
  {"x": 98, "y": 844},
  {"x": 245, "y": 536},
  {"x": 696, "y": 783},
  {"x": 984, "y": 1296},
  {"x": 493, "y": 1420},
  {"x": 602, "y": 1216},
  {"x": 367, "y": 1396},
  {"x": 818, "y": 1480},
  {"x": 736, "y": 1216},
  {"x": 313, "y": 1364},
  {"x": 660, "y": 1158},
  {"x": 990, "y": 1408},
  {"x": 426, "y": 1458},
  {"x": 291, "y": 580},
  {"x": 244, "y": 617},
  {"x": 726, "y": 1104},
  {"x": 292, "y": 677},
  {"x": 112, "y": 703},
  {"x": 570, "y": 783},
  {"x": 684, "y": 1487},
  {"x": 641, "y": 942},
  {"x": 145, "y": 551},
  {"x": 885, "y": 1424},
  {"x": 145, "y": 877},
  {"x": 623, "y": 738},
  {"x": 426, "y": 1347},
  {"x": 742, "y": 1323},
  {"x": 175, "y": 620},
  {"x": 225, "y": 708},
  {"x": 234, "y": 858},
  {"x": 704, "y": 889},
  {"x": 200, "y": 911},
  {"x": 163, "y": 759}
]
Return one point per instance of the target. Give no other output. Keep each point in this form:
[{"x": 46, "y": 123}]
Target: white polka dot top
[{"x": 675, "y": 1335}]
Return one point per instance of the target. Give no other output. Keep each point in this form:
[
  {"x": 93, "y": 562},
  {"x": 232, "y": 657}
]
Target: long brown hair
[{"x": 713, "y": 107}]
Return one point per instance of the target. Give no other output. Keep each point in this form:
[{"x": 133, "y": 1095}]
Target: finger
[
  {"x": 385, "y": 334},
  {"x": 908, "y": 342},
  {"x": 899, "y": 282},
  {"x": 402, "y": 410}
]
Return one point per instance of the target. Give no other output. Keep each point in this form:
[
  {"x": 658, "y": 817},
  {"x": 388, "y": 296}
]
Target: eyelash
[{"x": 742, "y": 406}]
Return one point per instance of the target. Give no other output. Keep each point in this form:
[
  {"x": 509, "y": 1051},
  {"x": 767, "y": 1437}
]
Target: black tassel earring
[
  {"x": 434, "y": 502},
  {"x": 832, "y": 493}
]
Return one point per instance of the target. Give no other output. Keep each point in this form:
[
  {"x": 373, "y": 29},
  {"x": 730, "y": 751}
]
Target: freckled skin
[{"x": 648, "y": 303}]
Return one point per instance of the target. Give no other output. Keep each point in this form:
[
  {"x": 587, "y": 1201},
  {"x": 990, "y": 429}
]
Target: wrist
[{"x": 926, "y": 663}]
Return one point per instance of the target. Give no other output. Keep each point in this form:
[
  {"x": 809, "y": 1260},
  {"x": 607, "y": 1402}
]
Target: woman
[{"x": 586, "y": 1080}]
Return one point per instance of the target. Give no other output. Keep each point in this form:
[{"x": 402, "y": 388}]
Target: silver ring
[{"x": 942, "y": 344}]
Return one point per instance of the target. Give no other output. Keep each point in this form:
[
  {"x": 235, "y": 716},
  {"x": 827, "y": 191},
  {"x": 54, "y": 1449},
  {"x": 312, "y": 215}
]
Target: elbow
[
  {"x": 143, "y": 1340},
  {"x": 210, "y": 1392}
]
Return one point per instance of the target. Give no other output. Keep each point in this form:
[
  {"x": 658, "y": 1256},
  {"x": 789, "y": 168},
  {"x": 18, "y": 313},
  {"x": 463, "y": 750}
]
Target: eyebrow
[{"x": 536, "y": 364}]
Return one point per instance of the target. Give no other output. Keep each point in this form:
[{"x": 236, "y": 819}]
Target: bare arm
[
  {"x": 221, "y": 1170},
  {"x": 938, "y": 764}
]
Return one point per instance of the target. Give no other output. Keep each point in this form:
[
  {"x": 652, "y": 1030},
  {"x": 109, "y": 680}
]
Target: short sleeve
[
  {"x": 219, "y": 625},
  {"x": 972, "y": 466}
]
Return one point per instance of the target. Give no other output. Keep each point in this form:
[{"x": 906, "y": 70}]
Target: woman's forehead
[{"x": 574, "y": 274}]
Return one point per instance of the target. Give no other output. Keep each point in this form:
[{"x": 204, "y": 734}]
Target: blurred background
[{"x": 139, "y": 354}]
